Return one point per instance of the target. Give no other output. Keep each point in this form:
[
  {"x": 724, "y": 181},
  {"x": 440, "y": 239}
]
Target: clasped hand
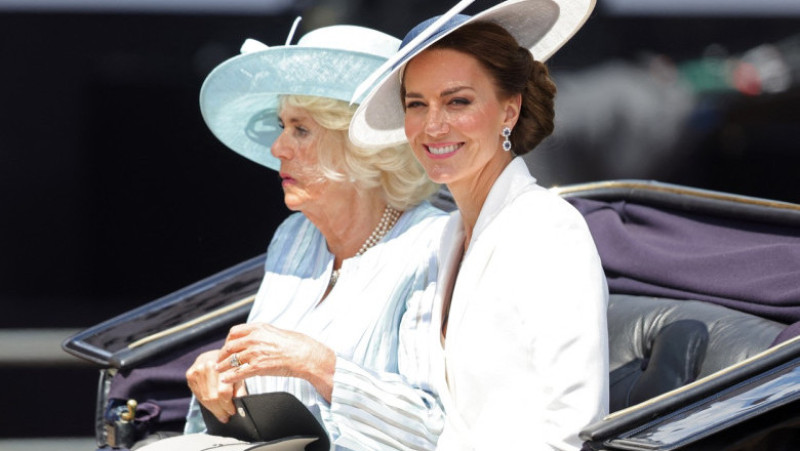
[{"x": 261, "y": 350}]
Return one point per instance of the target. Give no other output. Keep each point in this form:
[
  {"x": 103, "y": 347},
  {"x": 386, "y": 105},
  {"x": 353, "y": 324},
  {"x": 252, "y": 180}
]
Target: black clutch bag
[{"x": 270, "y": 417}]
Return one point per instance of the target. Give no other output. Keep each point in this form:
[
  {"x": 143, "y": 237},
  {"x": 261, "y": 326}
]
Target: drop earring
[{"x": 506, "y": 141}]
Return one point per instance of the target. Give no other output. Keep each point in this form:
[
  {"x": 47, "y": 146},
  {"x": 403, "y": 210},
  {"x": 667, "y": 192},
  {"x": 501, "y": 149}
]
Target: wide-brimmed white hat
[
  {"x": 542, "y": 26},
  {"x": 239, "y": 98}
]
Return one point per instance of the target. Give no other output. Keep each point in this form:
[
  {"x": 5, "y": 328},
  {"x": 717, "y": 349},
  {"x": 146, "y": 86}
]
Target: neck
[
  {"x": 470, "y": 193},
  {"x": 348, "y": 226}
]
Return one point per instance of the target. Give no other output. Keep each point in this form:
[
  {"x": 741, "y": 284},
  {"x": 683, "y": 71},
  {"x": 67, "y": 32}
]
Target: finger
[
  {"x": 230, "y": 348},
  {"x": 234, "y": 346},
  {"x": 227, "y": 406},
  {"x": 203, "y": 380},
  {"x": 222, "y": 413},
  {"x": 237, "y": 375},
  {"x": 240, "y": 389},
  {"x": 233, "y": 361},
  {"x": 240, "y": 330},
  {"x": 201, "y": 364},
  {"x": 220, "y": 403}
]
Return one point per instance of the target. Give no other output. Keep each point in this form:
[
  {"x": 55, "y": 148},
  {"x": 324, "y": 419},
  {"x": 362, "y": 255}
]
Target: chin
[
  {"x": 437, "y": 175},
  {"x": 292, "y": 203}
]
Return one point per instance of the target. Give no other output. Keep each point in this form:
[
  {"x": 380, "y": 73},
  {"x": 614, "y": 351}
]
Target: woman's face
[
  {"x": 454, "y": 117},
  {"x": 297, "y": 149}
]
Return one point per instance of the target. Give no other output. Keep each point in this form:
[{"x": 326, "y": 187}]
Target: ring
[{"x": 235, "y": 361}]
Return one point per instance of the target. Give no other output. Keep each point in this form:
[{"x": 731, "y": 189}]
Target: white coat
[{"x": 525, "y": 359}]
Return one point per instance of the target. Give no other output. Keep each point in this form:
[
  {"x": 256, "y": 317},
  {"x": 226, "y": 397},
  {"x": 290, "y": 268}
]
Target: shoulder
[
  {"x": 540, "y": 223},
  {"x": 538, "y": 210},
  {"x": 422, "y": 220}
]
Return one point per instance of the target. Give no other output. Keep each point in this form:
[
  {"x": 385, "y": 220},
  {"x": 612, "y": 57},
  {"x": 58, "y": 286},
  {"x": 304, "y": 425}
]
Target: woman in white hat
[
  {"x": 339, "y": 311},
  {"x": 520, "y": 305}
]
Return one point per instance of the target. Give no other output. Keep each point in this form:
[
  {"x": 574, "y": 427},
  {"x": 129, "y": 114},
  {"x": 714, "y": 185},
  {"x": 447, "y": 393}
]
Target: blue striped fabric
[{"x": 376, "y": 319}]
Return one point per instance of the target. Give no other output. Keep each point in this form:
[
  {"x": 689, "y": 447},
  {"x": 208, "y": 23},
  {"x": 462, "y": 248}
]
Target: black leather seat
[{"x": 659, "y": 344}]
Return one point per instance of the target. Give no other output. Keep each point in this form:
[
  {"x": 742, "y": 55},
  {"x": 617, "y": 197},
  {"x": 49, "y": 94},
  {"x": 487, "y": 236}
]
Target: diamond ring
[{"x": 235, "y": 361}]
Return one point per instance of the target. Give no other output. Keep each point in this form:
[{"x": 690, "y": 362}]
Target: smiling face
[
  {"x": 297, "y": 147},
  {"x": 454, "y": 118}
]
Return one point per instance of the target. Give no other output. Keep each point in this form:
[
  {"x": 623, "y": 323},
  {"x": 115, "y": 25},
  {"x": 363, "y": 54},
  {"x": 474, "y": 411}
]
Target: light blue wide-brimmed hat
[
  {"x": 542, "y": 26},
  {"x": 239, "y": 98}
]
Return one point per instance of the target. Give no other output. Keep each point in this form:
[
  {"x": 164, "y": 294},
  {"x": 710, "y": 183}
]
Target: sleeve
[
  {"x": 194, "y": 419},
  {"x": 562, "y": 330},
  {"x": 383, "y": 410},
  {"x": 387, "y": 410}
]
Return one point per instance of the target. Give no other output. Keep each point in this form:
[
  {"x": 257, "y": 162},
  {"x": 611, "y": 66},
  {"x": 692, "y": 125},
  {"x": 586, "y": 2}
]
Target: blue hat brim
[{"x": 239, "y": 98}]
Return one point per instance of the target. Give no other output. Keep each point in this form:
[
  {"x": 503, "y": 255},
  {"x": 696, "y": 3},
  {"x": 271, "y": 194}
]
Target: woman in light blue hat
[
  {"x": 519, "y": 316},
  {"x": 338, "y": 316}
]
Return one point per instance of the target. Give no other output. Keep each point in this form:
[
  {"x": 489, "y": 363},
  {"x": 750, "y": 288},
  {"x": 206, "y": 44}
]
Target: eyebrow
[
  {"x": 445, "y": 93},
  {"x": 291, "y": 120}
]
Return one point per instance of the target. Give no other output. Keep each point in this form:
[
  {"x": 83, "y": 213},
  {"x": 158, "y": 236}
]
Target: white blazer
[{"x": 525, "y": 361}]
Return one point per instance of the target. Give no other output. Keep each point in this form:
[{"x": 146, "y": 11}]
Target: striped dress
[{"x": 376, "y": 319}]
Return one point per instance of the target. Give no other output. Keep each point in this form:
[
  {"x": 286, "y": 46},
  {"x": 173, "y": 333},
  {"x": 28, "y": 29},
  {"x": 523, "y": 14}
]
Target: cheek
[
  {"x": 413, "y": 126},
  {"x": 305, "y": 152},
  {"x": 307, "y": 159},
  {"x": 413, "y": 134},
  {"x": 312, "y": 176},
  {"x": 469, "y": 124}
]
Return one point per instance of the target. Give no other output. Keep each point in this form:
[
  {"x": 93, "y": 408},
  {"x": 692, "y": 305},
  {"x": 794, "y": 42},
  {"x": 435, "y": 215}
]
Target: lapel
[
  {"x": 452, "y": 240},
  {"x": 514, "y": 180}
]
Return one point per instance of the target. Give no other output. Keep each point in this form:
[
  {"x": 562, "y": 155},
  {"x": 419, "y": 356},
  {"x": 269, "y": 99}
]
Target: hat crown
[
  {"x": 239, "y": 99},
  {"x": 351, "y": 38},
  {"x": 453, "y": 22}
]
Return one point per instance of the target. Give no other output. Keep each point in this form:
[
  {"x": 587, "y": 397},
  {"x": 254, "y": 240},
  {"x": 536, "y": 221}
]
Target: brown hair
[{"x": 514, "y": 71}]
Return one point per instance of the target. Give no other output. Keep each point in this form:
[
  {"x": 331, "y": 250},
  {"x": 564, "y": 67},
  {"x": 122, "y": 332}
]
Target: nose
[
  {"x": 280, "y": 148},
  {"x": 435, "y": 122}
]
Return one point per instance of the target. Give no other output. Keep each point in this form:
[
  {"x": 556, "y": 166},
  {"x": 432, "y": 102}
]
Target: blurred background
[{"x": 113, "y": 192}]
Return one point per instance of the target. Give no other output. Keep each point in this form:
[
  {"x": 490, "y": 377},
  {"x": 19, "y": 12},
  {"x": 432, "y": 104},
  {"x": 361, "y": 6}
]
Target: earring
[{"x": 506, "y": 141}]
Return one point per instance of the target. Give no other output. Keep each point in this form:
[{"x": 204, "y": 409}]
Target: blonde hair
[{"x": 393, "y": 170}]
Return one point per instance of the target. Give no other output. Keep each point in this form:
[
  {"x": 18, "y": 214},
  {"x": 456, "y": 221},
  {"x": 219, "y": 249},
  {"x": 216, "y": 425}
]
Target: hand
[
  {"x": 215, "y": 395},
  {"x": 265, "y": 350}
]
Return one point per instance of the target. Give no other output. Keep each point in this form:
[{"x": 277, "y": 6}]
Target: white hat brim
[
  {"x": 542, "y": 26},
  {"x": 239, "y": 98}
]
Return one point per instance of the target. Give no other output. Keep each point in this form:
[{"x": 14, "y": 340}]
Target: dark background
[{"x": 114, "y": 193}]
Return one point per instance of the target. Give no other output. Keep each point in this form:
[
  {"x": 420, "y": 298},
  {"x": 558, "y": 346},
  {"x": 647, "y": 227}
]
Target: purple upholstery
[
  {"x": 746, "y": 266},
  {"x": 160, "y": 388}
]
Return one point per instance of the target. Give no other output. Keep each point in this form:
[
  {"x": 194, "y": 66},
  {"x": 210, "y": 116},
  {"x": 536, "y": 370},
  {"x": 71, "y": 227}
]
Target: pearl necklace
[{"x": 388, "y": 220}]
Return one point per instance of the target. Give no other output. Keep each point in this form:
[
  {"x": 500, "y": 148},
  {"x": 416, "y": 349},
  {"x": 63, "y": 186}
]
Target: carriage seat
[{"x": 659, "y": 344}]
